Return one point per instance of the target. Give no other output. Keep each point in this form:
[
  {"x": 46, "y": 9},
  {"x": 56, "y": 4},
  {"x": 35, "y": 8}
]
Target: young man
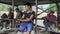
[
  {"x": 18, "y": 16},
  {"x": 4, "y": 16},
  {"x": 5, "y": 22},
  {"x": 10, "y": 16},
  {"x": 27, "y": 19},
  {"x": 50, "y": 20}
]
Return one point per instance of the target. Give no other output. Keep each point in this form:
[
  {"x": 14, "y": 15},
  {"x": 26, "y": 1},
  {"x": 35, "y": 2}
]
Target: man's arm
[
  {"x": 28, "y": 19},
  {"x": 56, "y": 24},
  {"x": 23, "y": 16},
  {"x": 9, "y": 15}
]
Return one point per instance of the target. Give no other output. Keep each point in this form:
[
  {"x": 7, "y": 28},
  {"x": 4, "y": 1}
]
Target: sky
[{"x": 44, "y": 6}]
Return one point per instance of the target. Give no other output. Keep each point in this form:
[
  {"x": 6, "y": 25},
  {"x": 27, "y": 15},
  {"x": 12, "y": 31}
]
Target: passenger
[
  {"x": 4, "y": 20},
  {"x": 10, "y": 16},
  {"x": 18, "y": 16},
  {"x": 27, "y": 19},
  {"x": 4, "y": 16},
  {"x": 50, "y": 20}
]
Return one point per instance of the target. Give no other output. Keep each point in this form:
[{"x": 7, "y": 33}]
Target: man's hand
[{"x": 18, "y": 19}]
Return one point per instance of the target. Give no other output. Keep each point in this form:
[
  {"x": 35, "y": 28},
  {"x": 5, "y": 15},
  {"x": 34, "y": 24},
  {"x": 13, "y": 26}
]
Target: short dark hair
[
  {"x": 10, "y": 8},
  {"x": 52, "y": 12},
  {"x": 17, "y": 9},
  {"x": 28, "y": 4}
]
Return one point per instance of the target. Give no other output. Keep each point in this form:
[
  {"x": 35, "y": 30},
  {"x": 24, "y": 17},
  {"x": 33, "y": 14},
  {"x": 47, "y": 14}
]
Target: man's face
[
  {"x": 17, "y": 10},
  {"x": 51, "y": 14},
  {"x": 10, "y": 10},
  {"x": 48, "y": 12},
  {"x": 27, "y": 8}
]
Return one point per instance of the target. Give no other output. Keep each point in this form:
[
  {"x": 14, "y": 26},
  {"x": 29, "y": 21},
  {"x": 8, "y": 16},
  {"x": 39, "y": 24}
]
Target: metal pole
[
  {"x": 13, "y": 10},
  {"x": 58, "y": 13},
  {"x": 13, "y": 5},
  {"x": 36, "y": 13},
  {"x": 36, "y": 17}
]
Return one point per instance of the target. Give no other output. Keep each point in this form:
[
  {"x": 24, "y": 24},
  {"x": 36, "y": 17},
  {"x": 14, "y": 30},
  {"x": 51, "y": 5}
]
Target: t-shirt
[
  {"x": 51, "y": 18},
  {"x": 11, "y": 15},
  {"x": 19, "y": 15},
  {"x": 27, "y": 15}
]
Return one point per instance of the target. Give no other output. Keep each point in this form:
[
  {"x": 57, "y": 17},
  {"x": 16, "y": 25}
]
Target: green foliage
[
  {"x": 4, "y": 6},
  {"x": 21, "y": 7},
  {"x": 52, "y": 7}
]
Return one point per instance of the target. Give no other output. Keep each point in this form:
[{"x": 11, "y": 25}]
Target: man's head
[
  {"x": 27, "y": 6},
  {"x": 51, "y": 12},
  {"x": 10, "y": 9},
  {"x": 17, "y": 10}
]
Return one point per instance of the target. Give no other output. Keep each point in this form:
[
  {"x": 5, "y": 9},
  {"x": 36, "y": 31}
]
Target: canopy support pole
[
  {"x": 13, "y": 10},
  {"x": 36, "y": 17},
  {"x": 58, "y": 12}
]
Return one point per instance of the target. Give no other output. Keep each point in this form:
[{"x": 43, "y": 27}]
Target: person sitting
[
  {"x": 26, "y": 20},
  {"x": 50, "y": 20},
  {"x": 4, "y": 20},
  {"x": 11, "y": 13},
  {"x": 18, "y": 16},
  {"x": 19, "y": 13},
  {"x": 10, "y": 16}
]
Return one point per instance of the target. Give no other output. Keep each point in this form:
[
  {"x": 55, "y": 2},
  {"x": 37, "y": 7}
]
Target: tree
[
  {"x": 4, "y": 6},
  {"x": 52, "y": 7}
]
